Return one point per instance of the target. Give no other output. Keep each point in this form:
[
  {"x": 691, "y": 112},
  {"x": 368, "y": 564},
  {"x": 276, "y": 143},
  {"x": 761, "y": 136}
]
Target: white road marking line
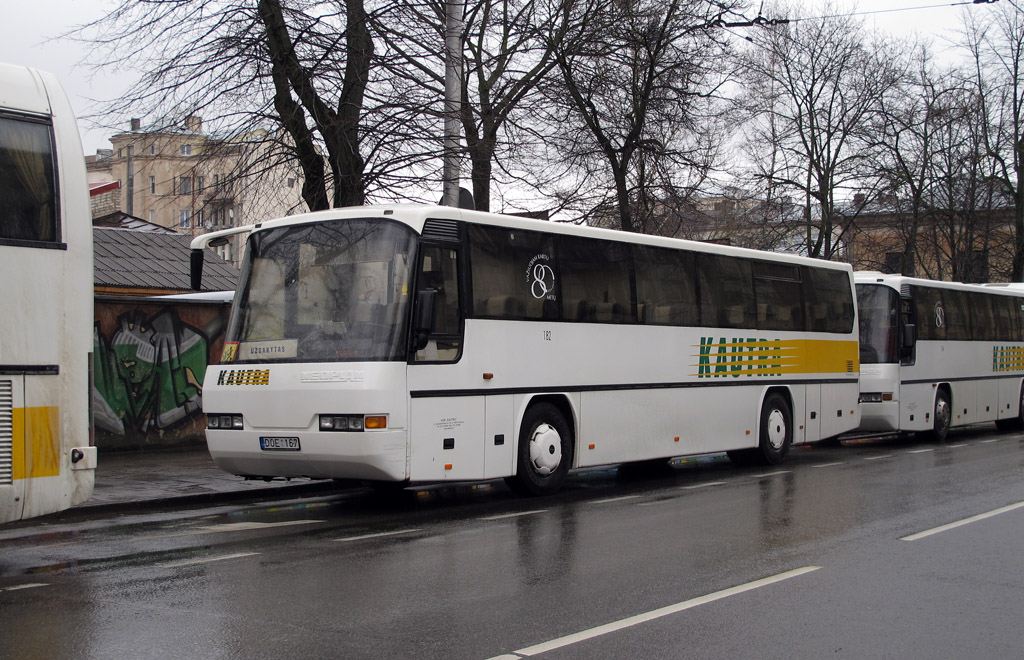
[
  {"x": 503, "y": 516},
  {"x": 246, "y": 526},
  {"x": 769, "y": 474},
  {"x": 875, "y": 458},
  {"x": 615, "y": 499},
  {"x": 707, "y": 485},
  {"x": 824, "y": 465},
  {"x": 207, "y": 560},
  {"x": 378, "y": 535},
  {"x": 961, "y": 523},
  {"x": 921, "y": 451},
  {"x": 990, "y": 441},
  {"x": 622, "y": 624},
  {"x": 957, "y": 445},
  {"x": 19, "y": 587}
]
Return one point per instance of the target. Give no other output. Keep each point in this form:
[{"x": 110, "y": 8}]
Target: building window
[
  {"x": 152, "y": 185},
  {"x": 186, "y": 150},
  {"x": 152, "y": 216},
  {"x": 200, "y": 183},
  {"x": 231, "y": 217},
  {"x": 152, "y": 150},
  {"x": 291, "y": 182},
  {"x": 199, "y": 218},
  {"x": 185, "y": 219},
  {"x": 185, "y": 185}
]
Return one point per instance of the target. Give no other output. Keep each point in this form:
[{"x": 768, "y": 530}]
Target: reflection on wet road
[{"x": 876, "y": 548}]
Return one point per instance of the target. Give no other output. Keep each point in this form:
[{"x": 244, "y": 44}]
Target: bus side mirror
[
  {"x": 196, "y": 269},
  {"x": 423, "y": 322}
]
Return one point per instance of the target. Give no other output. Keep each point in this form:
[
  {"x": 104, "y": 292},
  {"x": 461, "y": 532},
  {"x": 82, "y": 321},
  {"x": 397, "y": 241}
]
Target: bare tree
[
  {"x": 627, "y": 111},
  {"x": 997, "y": 53},
  {"x": 811, "y": 86}
]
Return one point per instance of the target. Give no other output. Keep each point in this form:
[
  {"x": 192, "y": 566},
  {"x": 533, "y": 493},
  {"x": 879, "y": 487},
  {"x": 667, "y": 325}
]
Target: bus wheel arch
[
  {"x": 546, "y": 446},
  {"x": 774, "y": 430}
]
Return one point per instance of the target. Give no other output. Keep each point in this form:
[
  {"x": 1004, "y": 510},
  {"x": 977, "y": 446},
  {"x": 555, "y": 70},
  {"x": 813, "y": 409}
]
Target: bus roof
[
  {"x": 895, "y": 280},
  {"x": 416, "y": 216},
  {"x": 23, "y": 90}
]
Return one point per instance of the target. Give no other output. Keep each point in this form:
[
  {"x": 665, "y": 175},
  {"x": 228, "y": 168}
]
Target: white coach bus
[
  {"x": 935, "y": 355},
  {"x": 426, "y": 344},
  {"x": 47, "y": 462}
]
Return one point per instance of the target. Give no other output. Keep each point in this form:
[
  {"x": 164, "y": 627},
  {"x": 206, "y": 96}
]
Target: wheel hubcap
[
  {"x": 545, "y": 449},
  {"x": 776, "y": 429},
  {"x": 942, "y": 413}
]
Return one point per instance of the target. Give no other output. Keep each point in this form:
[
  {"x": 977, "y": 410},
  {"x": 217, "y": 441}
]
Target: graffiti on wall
[{"x": 149, "y": 372}]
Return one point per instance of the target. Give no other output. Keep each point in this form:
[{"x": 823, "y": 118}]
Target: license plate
[{"x": 279, "y": 444}]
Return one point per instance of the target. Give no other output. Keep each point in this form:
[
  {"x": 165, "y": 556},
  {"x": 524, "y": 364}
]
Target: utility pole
[{"x": 452, "y": 99}]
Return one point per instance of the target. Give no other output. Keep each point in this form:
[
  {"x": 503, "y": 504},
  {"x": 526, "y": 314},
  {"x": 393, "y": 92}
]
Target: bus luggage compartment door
[{"x": 446, "y": 439}]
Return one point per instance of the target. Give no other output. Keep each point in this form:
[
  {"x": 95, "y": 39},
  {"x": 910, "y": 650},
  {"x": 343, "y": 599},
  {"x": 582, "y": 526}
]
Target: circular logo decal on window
[
  {"x": 540, "y": 277},
  {"x": 940, "y": 315}
]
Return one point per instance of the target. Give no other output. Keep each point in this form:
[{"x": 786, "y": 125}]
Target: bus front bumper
[
  {"x": 880, "y": 416},
  {"x": 375, "y": 455}
]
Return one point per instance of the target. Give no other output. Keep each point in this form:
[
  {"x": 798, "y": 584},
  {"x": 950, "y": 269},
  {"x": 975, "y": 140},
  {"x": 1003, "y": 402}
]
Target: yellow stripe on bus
[
  {"x": 738, "y": 357},
  {"x": 39, "y": 456}
]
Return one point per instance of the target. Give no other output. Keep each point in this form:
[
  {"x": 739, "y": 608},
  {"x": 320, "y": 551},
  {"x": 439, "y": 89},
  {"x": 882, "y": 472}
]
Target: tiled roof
[{"x": 152, "y": 260}]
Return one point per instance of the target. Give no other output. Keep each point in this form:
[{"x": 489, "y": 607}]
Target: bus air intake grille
[
  {"x": 6, "y": 433},
  {"x": 441, "y": 230}
]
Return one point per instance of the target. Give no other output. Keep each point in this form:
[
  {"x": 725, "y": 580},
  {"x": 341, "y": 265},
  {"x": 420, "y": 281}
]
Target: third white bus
[{"x": 429, "y": 344}]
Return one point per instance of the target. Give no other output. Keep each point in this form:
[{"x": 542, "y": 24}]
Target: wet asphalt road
[{"x": 663, "y": 565}]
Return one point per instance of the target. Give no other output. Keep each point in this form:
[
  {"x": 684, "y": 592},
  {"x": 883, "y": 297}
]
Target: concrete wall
[{"x": 149, "y": 362}]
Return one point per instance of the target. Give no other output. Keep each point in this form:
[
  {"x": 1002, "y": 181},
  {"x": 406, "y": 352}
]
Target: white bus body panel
[
  {"x": 51, "y": 289},
  {"x": 289, "y": 405}
]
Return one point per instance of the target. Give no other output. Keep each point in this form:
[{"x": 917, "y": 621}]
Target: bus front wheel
[
  {"x": 942, "y": 418},
  {"x": 545, "y": 451}
]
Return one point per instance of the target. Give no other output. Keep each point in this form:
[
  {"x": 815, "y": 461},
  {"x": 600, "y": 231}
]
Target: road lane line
[
  {"x": 957, "y": 445},
  {"x": 503, "y": 516},
  {"x": 875, "y": 458},
  {"x": 19, "y": 587},
  {"x": 378, "y": 535},
  {"x": 769, "y": 474},
  {"x": 615, "y": 499},
  {"x": 990, "y": 441},
  {"x": 921, "y": 451},
  {"x": 707, "y": 485},
  {"x": 629, "y": 622},
  {"x": 207, "y": 560},
  {"x": 961, "y": 523},
  {"x": 823, "y": 465},
  {"x": 247, "y": 526}
]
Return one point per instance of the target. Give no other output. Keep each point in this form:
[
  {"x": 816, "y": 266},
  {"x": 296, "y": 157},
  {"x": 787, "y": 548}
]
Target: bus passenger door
[{"x": 12, "y": 447}]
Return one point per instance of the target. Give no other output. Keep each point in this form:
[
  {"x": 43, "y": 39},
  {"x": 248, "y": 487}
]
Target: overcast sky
[{"x": 28, "y": 29}]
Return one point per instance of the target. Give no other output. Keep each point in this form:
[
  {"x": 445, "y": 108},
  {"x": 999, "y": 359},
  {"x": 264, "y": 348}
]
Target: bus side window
[
  {"x": 28, "y": 205},
  {"x": 439, "y": 273}
]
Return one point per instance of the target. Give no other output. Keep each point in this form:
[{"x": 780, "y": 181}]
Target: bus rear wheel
[
  {"x": 775, "y": 435},
  {"x": 545, "y": 452}
]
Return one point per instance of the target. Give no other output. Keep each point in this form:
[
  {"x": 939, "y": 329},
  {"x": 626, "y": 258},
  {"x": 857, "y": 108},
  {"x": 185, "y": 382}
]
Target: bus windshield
[
  {"x": 879, "y": 324},
  {"x": 328, "y": 291}
]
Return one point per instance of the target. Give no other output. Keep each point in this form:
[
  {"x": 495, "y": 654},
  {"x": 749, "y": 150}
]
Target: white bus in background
[
  {"x": 47, "y": 462},
  {"x": 429, "y": 344},
  {"x": 935, "y": 355}
]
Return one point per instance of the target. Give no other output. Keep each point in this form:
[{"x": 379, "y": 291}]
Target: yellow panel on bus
[{"x": 39, "y": 456}]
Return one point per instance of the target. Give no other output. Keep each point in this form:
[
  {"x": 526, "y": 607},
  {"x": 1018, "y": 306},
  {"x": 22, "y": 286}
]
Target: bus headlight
[
  {"x": 216, "y": 421},
  {"x": 352, "y": 422},
  {"x": 875, "y": 397}
]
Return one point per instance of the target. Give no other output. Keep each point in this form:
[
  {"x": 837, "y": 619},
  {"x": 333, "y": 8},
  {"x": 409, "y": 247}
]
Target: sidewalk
[{"x": 155, "y": 476}]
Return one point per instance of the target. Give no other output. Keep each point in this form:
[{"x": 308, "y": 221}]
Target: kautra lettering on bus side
[{"x": 738, "y": 357}]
